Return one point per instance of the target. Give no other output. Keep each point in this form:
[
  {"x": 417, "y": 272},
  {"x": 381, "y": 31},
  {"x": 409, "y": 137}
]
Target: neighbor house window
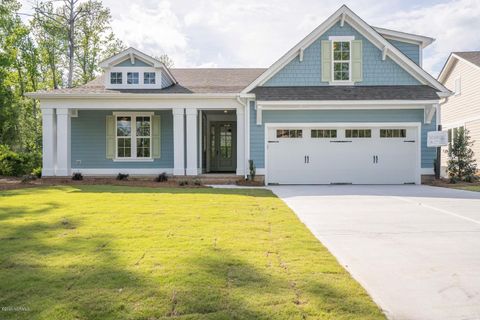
[
  {"x": 458, "y": 86},
  {"x": 289, "y": 133},
  {"x": 115, "y": 78},
  {"x": 132, "y": 77},
  {"x": 133, "y": 136},
  {"x": 341, "y": 60},
  {"x": 393, "y": 133},
  {"x": 358, "y": 133},
  {"x": 322, "y": 133},
  {"x": 149, "y": 78}
]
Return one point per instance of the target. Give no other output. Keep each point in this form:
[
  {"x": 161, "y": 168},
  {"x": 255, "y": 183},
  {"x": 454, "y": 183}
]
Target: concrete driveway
[{"x": 415, "y": 249}]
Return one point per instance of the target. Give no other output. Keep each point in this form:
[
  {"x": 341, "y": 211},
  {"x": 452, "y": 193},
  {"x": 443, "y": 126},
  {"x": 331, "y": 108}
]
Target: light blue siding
[
  {"x": 257, "y": 132},
  {"x": 128, "y": 63},
  {"x": 308, "y": 72},
  {"x": 166, "y": 81},
  {"x": 409, "y": 49},
  {"x": 89, "y": 142}
]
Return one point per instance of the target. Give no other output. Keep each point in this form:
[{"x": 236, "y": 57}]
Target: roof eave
[{"x": 41, "y": 95}]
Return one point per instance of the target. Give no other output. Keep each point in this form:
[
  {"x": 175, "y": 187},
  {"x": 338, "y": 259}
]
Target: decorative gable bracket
[
  {"x": 384, "y": 53},
  {"x": 429, "y": 113}
]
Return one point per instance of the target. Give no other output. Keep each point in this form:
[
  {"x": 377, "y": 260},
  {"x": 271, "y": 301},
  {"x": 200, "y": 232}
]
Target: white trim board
[
  {"x": 369, "y": 32},
  {"x": 114, "y": 172}
]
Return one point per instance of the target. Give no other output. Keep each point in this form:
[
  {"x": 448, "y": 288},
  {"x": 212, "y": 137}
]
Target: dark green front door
[{"x": 223, "y": 150}]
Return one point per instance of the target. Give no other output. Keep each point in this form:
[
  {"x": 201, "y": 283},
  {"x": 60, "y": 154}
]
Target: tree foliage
[
  {"x": 461, "y": 162},
  {"x": 59, "y": 46}
]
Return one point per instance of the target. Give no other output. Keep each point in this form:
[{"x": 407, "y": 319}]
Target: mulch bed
[
  {"x": 446, "y": 184},
  {"x": 10, "y": 183}
]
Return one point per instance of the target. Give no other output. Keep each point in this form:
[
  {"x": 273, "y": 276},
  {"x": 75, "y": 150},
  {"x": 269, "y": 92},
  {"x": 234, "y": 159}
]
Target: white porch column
[
  {"x": 63, "y": 143},
  {"x": 240, "y": 141},
  {"x": 192, "y": 151},
  {"x": 178, "y": 142},
  {"x": 49, "y": 142}
]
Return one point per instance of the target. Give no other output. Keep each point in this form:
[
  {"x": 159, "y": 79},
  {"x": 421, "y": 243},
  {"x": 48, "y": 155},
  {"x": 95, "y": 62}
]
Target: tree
[
  {"x": 94, "y": 40},
  {"x": 82, "y": 29},
  {"x": 166, "y": 60},
  {"x": 461, "y": 163},
  {"x": 66, "y": 18},
  {"x": 51, "y": 38}
]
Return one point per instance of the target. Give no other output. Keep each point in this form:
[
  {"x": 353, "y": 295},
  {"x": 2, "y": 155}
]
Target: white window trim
[
  {"x": 132, "y": 73},
  {"x": 348, "y": 39},
  {"x": 154, "y": 78},
  {"x": 141, "y": 72},
  {"x": 133, "y": 136},
  {"x": 457, "y": 91},
  {"x": 110, "y": 77}
]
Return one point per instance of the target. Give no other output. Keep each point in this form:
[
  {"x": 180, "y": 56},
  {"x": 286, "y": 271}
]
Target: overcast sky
[{"x": 255, "y": 33}]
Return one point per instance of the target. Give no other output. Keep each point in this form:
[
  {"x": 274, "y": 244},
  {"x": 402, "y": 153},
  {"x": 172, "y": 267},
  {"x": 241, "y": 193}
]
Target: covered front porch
[{"x": 105, "y": 138}]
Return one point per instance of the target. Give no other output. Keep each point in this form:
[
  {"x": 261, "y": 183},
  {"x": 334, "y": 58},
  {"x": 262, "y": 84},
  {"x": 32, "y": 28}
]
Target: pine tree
[{"x": 461, "y": 163}]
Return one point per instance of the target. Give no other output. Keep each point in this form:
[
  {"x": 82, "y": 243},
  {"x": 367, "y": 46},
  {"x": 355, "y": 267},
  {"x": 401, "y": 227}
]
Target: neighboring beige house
[{"x": 461, "y": 75}]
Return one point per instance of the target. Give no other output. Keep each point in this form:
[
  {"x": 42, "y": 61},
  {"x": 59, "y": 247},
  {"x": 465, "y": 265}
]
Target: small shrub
[
  {"x": 183, "y": 183},
  {"x": 17, "y": 164},
  {"x": 77, "y": 176},
  {"x": 37, "y": 172},
  {"x": 197, "y": 182},
  {"x": 461, "y": 162},
  {"x": 162, "y": 177},
  {"x": 122, "y": 176}
]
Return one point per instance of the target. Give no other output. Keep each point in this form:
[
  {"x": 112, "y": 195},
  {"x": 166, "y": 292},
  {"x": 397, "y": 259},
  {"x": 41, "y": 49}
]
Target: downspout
[{"x": 246, "y": 135}]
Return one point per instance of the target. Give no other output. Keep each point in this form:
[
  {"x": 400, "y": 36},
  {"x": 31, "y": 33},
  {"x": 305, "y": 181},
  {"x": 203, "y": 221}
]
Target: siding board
[{"x": 88, "y": 138}]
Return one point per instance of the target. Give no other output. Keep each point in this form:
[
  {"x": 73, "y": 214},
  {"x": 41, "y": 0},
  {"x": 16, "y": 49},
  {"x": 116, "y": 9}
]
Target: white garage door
[{"x": 357, "y": 154}]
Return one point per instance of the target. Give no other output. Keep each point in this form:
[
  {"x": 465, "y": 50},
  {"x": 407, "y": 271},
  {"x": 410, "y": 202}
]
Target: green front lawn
[
  {"x": 105, "y": 252},
  {"x": 469, "y": 188}
]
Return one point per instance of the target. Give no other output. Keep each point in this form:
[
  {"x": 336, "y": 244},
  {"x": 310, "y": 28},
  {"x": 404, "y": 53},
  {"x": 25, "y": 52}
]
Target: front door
[{"x": 222, "y": 146}]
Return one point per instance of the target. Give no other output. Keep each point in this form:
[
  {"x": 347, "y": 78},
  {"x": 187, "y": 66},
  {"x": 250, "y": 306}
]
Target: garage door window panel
[
  {"x": 358, "y": 133},
  {"x": 323, "y": 133},
  {"x": 393, "y": 133},
  {"x": 289, "y": 133}
]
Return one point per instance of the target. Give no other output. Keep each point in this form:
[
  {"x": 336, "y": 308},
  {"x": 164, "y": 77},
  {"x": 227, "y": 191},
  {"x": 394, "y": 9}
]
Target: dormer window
[
  {"x": 115, "y": 77},
  {"x": 139, "y": 71},
  {"x": 149, "y": 78},
  {"x": 132, "y": 77},
  {"x": 341, "y": 60}
]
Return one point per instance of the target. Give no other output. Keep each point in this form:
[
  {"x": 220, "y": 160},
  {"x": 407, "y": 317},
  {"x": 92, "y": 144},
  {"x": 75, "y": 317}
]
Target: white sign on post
[{"x": 437, "y": 138}]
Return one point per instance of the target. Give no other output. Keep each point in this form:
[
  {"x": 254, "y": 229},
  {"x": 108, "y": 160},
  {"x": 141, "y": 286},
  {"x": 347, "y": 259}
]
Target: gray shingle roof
[
  {"x": 472, "y": 56},
  {"x": 419, "y": 92},
  {"x": 194, "y": 80}
]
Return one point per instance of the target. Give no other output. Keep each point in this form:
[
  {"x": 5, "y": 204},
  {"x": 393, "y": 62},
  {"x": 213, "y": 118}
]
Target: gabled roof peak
[
  {"x": 133, "y": 53},
  {"x": 342, "y": 15}
]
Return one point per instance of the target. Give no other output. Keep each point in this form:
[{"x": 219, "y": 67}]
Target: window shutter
[
  {"x": 110, "y": 125},
  {"x": 357, "y": 61},
  {"x": 326, "y": 60},
  {"x": 156, "y": 137}
]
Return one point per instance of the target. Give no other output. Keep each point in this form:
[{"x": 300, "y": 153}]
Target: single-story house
[{"x": 350, "y": 103}]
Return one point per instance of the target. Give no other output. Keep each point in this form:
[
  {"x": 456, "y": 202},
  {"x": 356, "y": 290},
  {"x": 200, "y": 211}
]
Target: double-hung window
[
  {"x": 133, "y": 136},
  {"x": 132, "y": 77},
  {"x": 341, "y": 60},
  {"x": 149, "y": 78},
  {"x": 115, "y": 78}
]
